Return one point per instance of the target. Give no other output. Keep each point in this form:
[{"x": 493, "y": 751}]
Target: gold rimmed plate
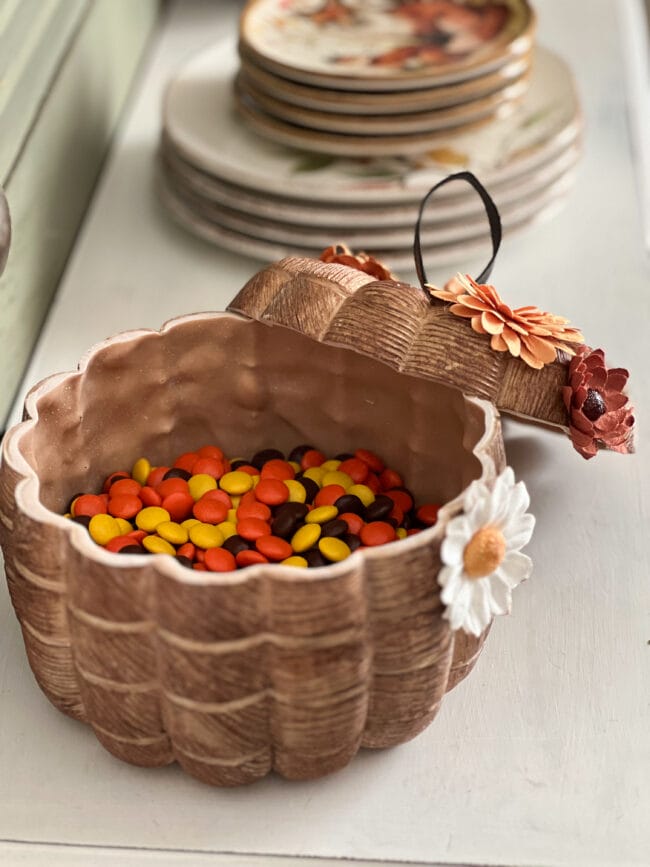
[
  {"x": 453, "y": 117},
  {"x": 390, "y": 45},
  {"x": 385, "y": 103}
]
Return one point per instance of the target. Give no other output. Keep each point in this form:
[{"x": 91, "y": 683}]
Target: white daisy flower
[{"x": 482, "y": 560}]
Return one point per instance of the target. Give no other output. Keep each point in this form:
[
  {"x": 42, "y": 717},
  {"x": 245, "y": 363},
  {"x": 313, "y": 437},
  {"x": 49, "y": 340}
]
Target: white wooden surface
[{"x": 542, "y": 757}]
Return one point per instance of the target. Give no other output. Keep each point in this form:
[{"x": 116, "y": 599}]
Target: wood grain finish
[{"x": 269, "y": 668}]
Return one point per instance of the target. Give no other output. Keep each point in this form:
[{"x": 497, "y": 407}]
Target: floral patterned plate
[
  {"x": 452, "y": 117},
  {"x": 385, "y": 103},
  {"x": 201, "y": 125},
  {"x": 372, "y": 216},
  {"x": 385, "y": 44}
]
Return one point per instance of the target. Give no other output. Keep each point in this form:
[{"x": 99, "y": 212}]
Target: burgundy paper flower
[{"x": 599, "y": 413}]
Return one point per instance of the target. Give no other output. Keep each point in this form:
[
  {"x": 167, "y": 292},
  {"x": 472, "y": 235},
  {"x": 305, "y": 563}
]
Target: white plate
[
  {"x": 203, "y": 128},
  {"x": 312, "y": 236},
  {"x": 373, "y": 216},
  {"x": 384, "y": 45},
  {"x": 398, "y": 260}
]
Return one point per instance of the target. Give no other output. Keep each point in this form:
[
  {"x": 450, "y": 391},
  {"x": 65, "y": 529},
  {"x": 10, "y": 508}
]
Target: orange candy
[
  {"x": 312, "y": 458},
  {"x": 156, "y": 476},
  {"x": 254, "y": 510},
  {"x": 401, "y": 499},
  {"x": 210, "y": 511},
  {"x": 211, "y": 452},
  {"x": 277, "y": 469},
  {"x": 186, "y": 461},
  {"x": 273, "y": 547},
  {"x": 172, "y": 486},
  {"x": 377, "y": 533},
  {"x": 372, "y": 482},
  {"x": 89, "y": 505},
  {"x": 137, "y": 536},
  {"x": 124, "y": 486},
  {"x": 218, "y": 494},
  {"x": 390, "y": 479},
  {"x": 356, "y": 469},
  {"x": 114, "y": 477},
  {"x": 428, "y": 514},
  {"x": 371, "y": 459},
  {"x": 354, "y": 522},
  {"x": 220, "y": 560},
  {"x": 248, "y": 558},
  {"x": 248, "y": 468},
  {"x": 118, "y": 542},
  {"x": 150, "y": 497},
  {"x": 187, "y": 550},
  {"x": 209, "y": 466},
  {"x": 272, "y": 491},
  {"x": 328, "y": 495},
  {"x": 179, "y": 506},
  {"x": 124, "y": 506},
  {"x": 253, "y": 528}
]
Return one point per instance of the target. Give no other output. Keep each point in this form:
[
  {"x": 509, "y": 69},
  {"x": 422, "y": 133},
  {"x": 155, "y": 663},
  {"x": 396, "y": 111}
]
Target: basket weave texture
[{"x": 270, "y": 667}]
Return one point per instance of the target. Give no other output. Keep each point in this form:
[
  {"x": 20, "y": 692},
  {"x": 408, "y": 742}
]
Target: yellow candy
[
  {"x": 103, "y": 528},
  {"x": 206, "y": 536},
  {"x": 321, "y": 514},
  {"x": 228, "y": 528},
  {"x": 305, "y": 537},
  {"x": 149, "y": 518},
  {"x": 327, "y": 466},
  {"x": 256, "y": 480},
  {"x": 141, "y": 470},
  {"x": 232, "y": 516},
  {"x": 156, "y": 545},
  {"x": 235, "y": 501},
  {"x": 333, "y": 549},
  {"x": 201, "y": 484},
  {"x": 401, "y": 533},
  {"x": 295, "y": 466},
  {"x": 363, "y": 492},
  {"x": 124, "y": 525},
  {"x": 298, "y": 562},
  {"x": 297, "y": 492},
  {"x": 172, "y": 532},
  {"x": 236, "y": 482},
  {"x": 190, "y": 522},
  {"x": 335, "y": 477},
  {"x": 315, "y": 474}
]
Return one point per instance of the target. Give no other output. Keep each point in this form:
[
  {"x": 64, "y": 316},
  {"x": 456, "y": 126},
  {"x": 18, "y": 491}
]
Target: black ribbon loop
[{"x": 490, "y": 209}]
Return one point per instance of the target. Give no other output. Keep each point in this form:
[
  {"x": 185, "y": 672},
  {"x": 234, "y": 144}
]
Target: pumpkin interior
[{"x": 244, "y": 385}]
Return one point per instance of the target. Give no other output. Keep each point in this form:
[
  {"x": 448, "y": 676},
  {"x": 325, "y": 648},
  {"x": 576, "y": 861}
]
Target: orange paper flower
[
  {"x": 342, "y": 255},
  {"x": 526, "y": 332}
]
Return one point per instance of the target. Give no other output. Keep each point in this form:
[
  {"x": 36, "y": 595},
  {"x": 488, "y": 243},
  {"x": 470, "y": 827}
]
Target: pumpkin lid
[{"x": 529, "y": 363}]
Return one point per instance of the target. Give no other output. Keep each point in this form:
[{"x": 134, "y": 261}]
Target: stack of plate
[
  {"x": 388, "y": 78},
  {"x": 256, "y": 197}
]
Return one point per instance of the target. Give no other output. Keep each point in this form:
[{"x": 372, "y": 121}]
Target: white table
[{"x": 542, "y": 757}]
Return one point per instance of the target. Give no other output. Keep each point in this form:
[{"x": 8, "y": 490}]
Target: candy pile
[{"x": 215, "y": 514}]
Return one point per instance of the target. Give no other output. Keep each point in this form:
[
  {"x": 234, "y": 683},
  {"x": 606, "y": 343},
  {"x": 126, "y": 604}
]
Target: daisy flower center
[{"x": 484, "y": 552}]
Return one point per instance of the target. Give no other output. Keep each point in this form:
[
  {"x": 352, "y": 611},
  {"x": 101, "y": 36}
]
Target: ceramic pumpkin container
[{"x": 233, "y": 675}]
